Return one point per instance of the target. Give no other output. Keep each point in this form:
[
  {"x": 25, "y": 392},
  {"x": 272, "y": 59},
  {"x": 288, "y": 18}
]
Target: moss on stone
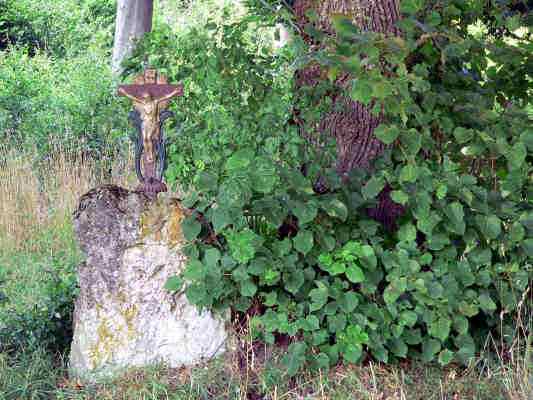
[{"x": 162, "y": 221}]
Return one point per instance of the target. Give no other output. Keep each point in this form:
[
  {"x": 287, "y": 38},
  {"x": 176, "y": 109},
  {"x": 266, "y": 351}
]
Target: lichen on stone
[
  {"x": 124, "y": 316},
  {"x": 101, "y": 350}
]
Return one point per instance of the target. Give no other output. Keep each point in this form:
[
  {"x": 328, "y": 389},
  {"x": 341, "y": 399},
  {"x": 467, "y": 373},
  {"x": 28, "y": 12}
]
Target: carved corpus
[{"x": 150, "y": 94}]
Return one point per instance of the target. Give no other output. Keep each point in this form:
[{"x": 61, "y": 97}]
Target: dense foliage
[
  {"x": 314, "y": 266},
  {"x": 37, "y": 313},
  {"x": 237, "y": 93},
  {"x": 57, "y": 87}
]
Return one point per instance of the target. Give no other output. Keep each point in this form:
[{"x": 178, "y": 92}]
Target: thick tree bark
[
  {"x": 134, "y": 19},
  {"x": 351, "y": 123}
]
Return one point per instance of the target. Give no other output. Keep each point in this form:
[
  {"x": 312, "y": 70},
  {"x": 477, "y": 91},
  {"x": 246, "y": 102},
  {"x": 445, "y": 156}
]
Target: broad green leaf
[
  {"x": 456, "y": 215},
  {"x": 440, "y": 328},
  {"x": 305, "y": 212},
  {"x": 486, "y": 303},
  {"x": 468, "y": 309},
  {"x": 206, "y": 182},
  {"x": 527, "y": 139},
  {"x": 373, "y": 187},
  {"x": 394, "y": 290},
  {"x": 196, "y": 294},
  {"x": 320, "y": 337},
  {"x": 407, "y": 233},
  {"x": 411, "y": 6},
  {"x": 194, "y": 271},
  {"x": 258, "y": 266},
  {"x": 382, "y": 89},
  {"x": 409, "y": 173},
  {"x": 367, "y": 257},
  {"x": 516, "y": 156},
  {"x": 240, "y": 160},
  {"x": 174, "y": 284},
  {"x": 303, "y": 241},
  {"x": 361, "y": 91},
  {"x": 264, "y": 175},
  {"x": 527, "y": 246},
  {"x": 399, "y": 348},
  {"x": 355, "y": 274},
  {"x": 460, "y": 324},
  {"x": 387, "y": 133},
  {"x": 351, "y": 341},
  {"x": 463, "y": 135},
  {"x": 191, "y": 228},
  {"x": 243, "y": 244},
  {"x": 430, "y": 347},
  {"x": 352, "y": 352},
  {"x": 282, "y": 248},
  {"x": 467, "y": 348},
  {"x": 270, "y": 299},
  {"x": 319, "y": 297},
  {"x": 517, "y": 232},
  {"x": 294, "y": 359},
  {"x": 211, "y": 257},
  {"x": 399, "y": 197},
  {"x": 293, "y": 280},
  {"x": 348, "y": 302},
  {"x": 240, "y": 273},
  {"x": 220, "y": 218},
  {"x": 336, "y": 321},
  {"x": 445, "y": 357},
  {"x": 321, "y": 361},
  {"x": 337, "y": 268},
  {"x": 441, "y": 192},
  {"x": 271, "y": 209},
  {"x": 234, "y": 192},
  {"x": 335, "y": 208},
  {"x": 412, "y": 336},
  {"x": 411, "y": 142},
  {"x": 248, "y": 288},
  {"x": 408, "y": 318},
  {"x": 490, "y": 226},
  {"x": 271, "y": 276},
  {"x": 191, "y": 198},
  {"x": 325, "y": 261}
]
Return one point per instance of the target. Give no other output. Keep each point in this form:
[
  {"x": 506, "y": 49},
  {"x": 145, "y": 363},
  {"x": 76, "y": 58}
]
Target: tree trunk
[
  {"x": 351, "y": 123},
  {"x": 134, "y": 19}
]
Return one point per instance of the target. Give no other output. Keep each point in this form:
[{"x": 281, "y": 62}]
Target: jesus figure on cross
[{"x": 150, "y": 94}]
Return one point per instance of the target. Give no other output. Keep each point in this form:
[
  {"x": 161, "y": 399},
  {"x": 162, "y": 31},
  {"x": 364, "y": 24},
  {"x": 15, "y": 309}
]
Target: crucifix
[{"x": 150, "y": 94}]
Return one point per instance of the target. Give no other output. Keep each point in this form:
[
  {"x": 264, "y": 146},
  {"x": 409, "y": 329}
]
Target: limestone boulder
[{"x": 124, "y": 317}]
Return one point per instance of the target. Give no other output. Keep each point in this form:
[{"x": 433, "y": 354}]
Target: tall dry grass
[{"x": 36, "y": 196}]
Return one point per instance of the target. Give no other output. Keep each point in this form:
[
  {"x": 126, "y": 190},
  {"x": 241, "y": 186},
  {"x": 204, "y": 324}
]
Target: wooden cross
[{"x": 150, "y": 94}]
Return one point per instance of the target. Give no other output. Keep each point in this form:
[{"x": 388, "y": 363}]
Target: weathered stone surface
[{"x": 123, "y": 315}]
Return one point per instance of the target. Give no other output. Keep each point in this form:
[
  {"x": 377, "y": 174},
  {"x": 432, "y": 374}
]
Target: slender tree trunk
[
  {"x": 134, "y": 19},
  {"x": 351, "y": 123}
]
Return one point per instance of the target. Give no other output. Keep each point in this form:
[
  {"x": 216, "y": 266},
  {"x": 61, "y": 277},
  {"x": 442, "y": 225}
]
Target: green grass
[{"x": 40, "y": 375}]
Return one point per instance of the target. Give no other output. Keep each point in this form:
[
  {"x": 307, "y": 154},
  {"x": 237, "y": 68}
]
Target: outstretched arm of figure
[
  {"x": 129, "y": 96},
  {"x": 178, "y": 91}
]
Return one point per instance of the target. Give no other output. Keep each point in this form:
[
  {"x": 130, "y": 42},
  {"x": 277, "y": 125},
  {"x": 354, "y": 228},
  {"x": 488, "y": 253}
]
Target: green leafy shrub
[
  {"x": 324, "y": 273},
  {"x": 57, "y": 86},
  {"x": 237, "y": 93},
  {"x": 60, "y": 28},
  {"x": 36, "y": 312},
  {"x": 58, "y": 102}
]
